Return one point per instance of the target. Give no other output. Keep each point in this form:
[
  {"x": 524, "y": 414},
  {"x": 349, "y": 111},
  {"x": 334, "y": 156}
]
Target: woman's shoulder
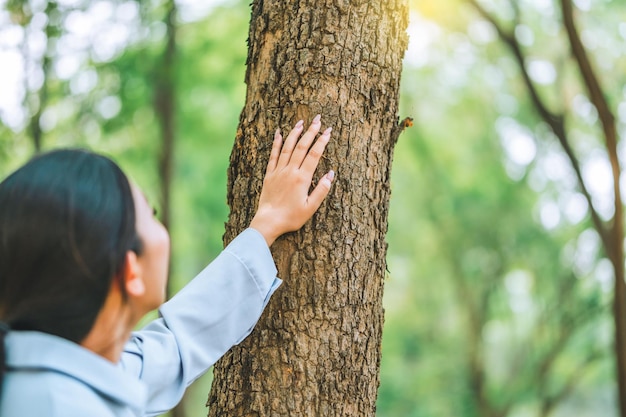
[
  {"x": 54, "y": 377},
  {"x": 52, "y": 394}
]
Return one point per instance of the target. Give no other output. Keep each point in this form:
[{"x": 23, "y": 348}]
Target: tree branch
[
  {"x": 556, "y": 121},
  {"x": 614, "y": 247},
  {"x": 607, "y": 119},
  {"x": 397, "y": 131},
  {"x": 566, "y": 389},
  {"x": 588, "y": 74}
]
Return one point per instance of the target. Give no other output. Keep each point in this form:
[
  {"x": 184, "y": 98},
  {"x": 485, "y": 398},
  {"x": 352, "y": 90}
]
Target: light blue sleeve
[{"x": 215, "y": 311}]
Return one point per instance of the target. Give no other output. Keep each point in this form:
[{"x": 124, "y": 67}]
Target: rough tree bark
[{"x": 316, "y": 350}]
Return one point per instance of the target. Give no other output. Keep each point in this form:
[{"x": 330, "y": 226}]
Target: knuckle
[
  {"x": 301, "y": 178},
  {"x": 315, "y": 153}
]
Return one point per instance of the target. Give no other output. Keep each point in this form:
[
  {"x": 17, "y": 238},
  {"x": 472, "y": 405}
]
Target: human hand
[{"x": 285, "y": 203}]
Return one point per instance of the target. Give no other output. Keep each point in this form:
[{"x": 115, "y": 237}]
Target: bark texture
[{"x": 316, "y": 350}]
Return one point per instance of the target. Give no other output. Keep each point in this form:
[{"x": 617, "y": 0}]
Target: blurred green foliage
[{"x": 498, "y": 295}]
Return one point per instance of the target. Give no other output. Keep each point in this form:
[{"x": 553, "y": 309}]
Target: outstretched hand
[{"x": 285, "y": 203}]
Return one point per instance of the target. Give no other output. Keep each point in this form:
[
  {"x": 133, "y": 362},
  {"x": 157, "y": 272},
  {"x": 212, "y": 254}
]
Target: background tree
[
  {"x": 316, "y": 350},
  {"x": 458, "y": 64},
  {"x": 37, "y": 64},
  {"x": 611, "y": 232}
]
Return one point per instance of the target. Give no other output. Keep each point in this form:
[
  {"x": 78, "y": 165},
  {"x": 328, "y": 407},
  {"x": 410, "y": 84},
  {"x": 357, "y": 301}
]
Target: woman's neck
[{"x": 112, "y": 327}]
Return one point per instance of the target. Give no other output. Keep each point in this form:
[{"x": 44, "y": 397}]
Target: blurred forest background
[{"x": 499, "y": 293}]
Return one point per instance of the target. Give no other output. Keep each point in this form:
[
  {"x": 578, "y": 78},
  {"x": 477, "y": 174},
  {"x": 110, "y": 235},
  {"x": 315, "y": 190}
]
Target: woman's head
[{"x": 67, "y": 226}]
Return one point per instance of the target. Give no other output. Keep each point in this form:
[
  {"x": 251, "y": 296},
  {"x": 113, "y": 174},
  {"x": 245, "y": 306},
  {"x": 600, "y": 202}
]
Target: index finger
[{"x": 278, "y": 141}]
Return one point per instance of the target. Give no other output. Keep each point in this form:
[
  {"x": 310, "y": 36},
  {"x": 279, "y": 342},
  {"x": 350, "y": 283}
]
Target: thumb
[{"x": 322, "y": 189}]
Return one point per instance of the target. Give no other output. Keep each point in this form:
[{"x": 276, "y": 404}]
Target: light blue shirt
[{"x": 50, "y": 376}]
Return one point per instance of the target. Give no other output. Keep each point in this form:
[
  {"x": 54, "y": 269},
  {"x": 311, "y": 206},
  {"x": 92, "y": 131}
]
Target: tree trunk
[
  {"x": 38, "y": 105},
  {"x": 165, "y": 108},
  {"x": 614, "y": 241},
  {"x": 316, "y": 350}
]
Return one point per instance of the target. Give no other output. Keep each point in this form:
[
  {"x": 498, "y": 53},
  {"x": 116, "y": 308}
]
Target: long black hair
[{"x": 67, "y": 219}]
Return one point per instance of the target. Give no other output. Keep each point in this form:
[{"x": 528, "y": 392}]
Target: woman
[{"x": 82, "y": 260}]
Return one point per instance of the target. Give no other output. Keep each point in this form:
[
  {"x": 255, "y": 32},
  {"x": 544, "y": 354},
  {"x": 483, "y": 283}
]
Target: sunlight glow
[
  {"x": 84, "y": 82},
  {"x": 506, "y": 104},
  {"x": 574, "y": 206},
  {"x": 482, "y": 32},
  {"x": 545, "y": 6},
  {"x": 519, "y": 284},
  {"x": 524, "y": 35},
  {"x": 103, "y": 29},
  {"x": 517, "y": 141},
  {"x": 11, "y": 85},
  {"x": 557, "y": 168},
  {"x": 621, "y": 112},
  {"x": 598, "y": 177},
  {"x": 583, "y": 107},
  {"x": 584, "y": 5},
  {"x": 67, "y": 66},
  {"x": 519, "y": 147},
  {"x": 587, "y": 248},
  {"x": 542, "y": 72},
  {"x": 109, "y": 107},
  {"x": 49, "y": 119},
  {"x": 422, "y": 34},
  {"x": 549, "y": 214},
  {"x": 69, "y": 3},
  {"x": 604, "y": 275},
  {"x": 193, "y": 10}
]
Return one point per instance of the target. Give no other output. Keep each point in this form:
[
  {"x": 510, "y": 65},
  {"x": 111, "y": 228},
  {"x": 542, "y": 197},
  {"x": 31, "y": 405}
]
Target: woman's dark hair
[{"x": 67, "y": 219}]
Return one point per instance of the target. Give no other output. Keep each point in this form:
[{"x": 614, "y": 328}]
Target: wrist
[{"x": 265, "y": 230}]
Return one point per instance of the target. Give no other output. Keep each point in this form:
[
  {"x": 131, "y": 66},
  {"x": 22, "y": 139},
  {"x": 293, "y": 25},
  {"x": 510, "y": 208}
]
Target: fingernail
[
  {"x": 300, "y": 123},
  {"x": 327, "y": 131},
  {"x": 317, "y": 118},
  {"x": 331, "y": 175},
  {"x": 277, "y": 133}
]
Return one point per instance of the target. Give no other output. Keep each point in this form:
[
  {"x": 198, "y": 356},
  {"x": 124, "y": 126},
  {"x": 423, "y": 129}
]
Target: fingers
[
  {"x": 295, "y": 148},
  {"x": 290, "y": 144},
  {"x": 274, "y": 154},
  {"x": 302, "y": 147},
  {"x": 320, "y": 192},
  {"x": 315, "y": 153}
]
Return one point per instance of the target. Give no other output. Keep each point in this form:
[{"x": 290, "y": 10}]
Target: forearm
[{"x": 215, "y": 311}]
